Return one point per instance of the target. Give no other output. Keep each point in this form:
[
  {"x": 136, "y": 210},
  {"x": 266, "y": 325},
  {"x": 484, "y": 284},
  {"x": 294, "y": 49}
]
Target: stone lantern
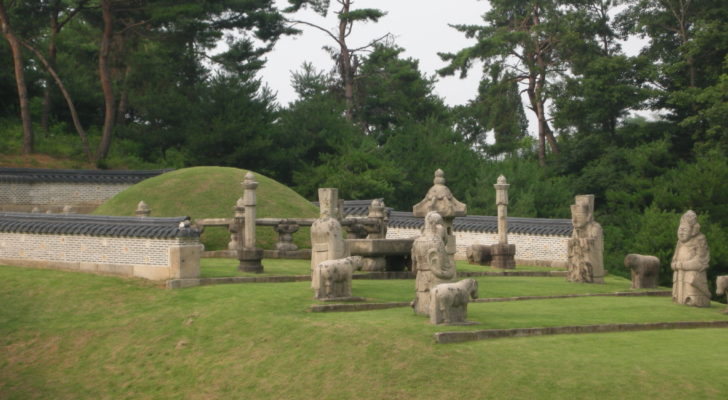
[{"x": 440, "y": 199}]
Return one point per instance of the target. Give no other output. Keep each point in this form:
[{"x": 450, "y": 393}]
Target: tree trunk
[
  {"x": 105, "y": 78},
  {"x": 531, "y": 91},
  {"x": 71, "y": 107},
  {"x": 123, "y": 99},
  {"x": 52, "y": 50},
  {"x": 347, "y": 74},
  {"x": 19, "y": 79}
]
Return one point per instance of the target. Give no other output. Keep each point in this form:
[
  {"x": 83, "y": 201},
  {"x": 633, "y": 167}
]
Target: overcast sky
[{"x": 419, "y": 26}]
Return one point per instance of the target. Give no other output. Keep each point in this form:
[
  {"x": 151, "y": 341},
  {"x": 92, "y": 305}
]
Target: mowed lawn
[{"x": 67, "y": 335}]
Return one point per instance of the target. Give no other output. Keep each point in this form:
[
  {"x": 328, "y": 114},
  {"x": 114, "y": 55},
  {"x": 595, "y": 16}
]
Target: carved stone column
[{"x": 250, "y": 257}]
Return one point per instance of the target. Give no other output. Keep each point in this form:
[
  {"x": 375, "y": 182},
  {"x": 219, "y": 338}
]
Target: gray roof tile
[
  {"x": 33, "y": 175},
  {"x": 470, "y": 223},
  {"x": 96, "y": 225}
]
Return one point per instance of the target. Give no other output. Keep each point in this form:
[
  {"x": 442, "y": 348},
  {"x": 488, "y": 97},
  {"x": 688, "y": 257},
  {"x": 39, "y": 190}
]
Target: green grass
[
  {"x": 224, "y": 267},
  {"x": 69, "y": 335},
  {"x": 464, "y": 266},
  {"x": 211, "y": 192}
]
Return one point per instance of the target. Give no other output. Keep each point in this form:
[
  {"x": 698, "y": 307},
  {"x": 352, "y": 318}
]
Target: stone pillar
[
  {"x": 504, "y": 254},
  {"x": 142, "y": 210},
  {"x": 250, "y": 257},
  {"x": 440, "y": 199}
]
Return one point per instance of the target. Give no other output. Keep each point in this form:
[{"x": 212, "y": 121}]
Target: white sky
[{"x": 419, "y": 26}]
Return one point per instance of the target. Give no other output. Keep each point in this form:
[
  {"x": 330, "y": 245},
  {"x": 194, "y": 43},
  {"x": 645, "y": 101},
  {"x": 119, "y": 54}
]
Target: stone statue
[
  {"x": 689, "y": 280},
  {"x": 327, "y": 240},
  {"x": 721, "y": 288},
  {"x": 449, "y": 302},
  {"x": 645, "y": 270},
  {"x": 431, "y": 262},
  {"x": 586, "y": 246},
  {"x": 335, "y": 277}
]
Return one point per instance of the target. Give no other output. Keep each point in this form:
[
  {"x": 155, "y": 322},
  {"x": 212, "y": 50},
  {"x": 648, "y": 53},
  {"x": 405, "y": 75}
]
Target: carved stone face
[
  {"x": 685, "y": 232},
  {"x": 579, "y": 219}
]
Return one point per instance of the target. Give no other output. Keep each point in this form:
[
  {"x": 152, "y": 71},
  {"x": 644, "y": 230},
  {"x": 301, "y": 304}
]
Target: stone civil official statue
[
  {"x": 689, "y": 280},
  {"x": 431, "y": 262}
]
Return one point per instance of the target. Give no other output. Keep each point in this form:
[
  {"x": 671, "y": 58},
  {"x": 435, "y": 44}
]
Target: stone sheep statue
[
  {"x": 645, "y": 270},
  {"x": 449, "y": 301},
  {"x": 721, "y": 289},
  {"x": 334, "y": 277}
]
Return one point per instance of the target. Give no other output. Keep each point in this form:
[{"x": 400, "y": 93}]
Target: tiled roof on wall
[
  {"x": 470, "y": 223},
  {"x": 33, "y": 175},
  {"x": 97, "y": 225}
]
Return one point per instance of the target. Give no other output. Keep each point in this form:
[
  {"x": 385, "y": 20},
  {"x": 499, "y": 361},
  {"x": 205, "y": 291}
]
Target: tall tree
[
  {"x": 519, "y": 38},
  {"x": 687, "y": 46},
  {"x": 345, "y": 56},
  {"x": 498, "y": 109},
  {"x": 17, "y": 52}
]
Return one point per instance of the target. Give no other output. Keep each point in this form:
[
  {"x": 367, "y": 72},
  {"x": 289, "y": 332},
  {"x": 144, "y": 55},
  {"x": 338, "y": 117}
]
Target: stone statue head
[
  {"x": 435, "y": 225},
  {"x": 579, "y": 215},
  {"x": 328, "y": 202},
  {"x": 689, "y": 226}
]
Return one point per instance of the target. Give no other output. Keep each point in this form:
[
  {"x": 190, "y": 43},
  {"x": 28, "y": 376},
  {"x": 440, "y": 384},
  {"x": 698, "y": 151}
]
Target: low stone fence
[
  {"x": 25, "y": 189},
  {"x": 151, "y": 248}
]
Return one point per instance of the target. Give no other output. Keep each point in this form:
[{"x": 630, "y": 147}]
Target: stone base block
[
  {"x": 504, "y": 256},
  {"x": 479, "y": 254},
  {"x": 374, "y": 264},
  {"x": 250, "y": 260}
]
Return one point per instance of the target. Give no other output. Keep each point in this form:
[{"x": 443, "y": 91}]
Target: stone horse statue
[{"x": 449, "y": 301}]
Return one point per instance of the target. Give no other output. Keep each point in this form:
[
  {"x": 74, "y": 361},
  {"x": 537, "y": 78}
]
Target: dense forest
[{"x": 133, "y": 84}]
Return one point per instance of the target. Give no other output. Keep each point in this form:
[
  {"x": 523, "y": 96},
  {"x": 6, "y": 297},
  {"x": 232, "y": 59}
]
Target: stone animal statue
[
  {"x": 645, "y": 270},
  {"x": 721, "y": 289},
  {"x": 334, "y": 277},
  {"x": 449, "y": 301}
]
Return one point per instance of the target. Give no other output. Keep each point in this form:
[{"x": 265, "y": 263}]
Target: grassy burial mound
[
  {"x": 71, "y": 336},
  {"x": 211, "y": 192}
]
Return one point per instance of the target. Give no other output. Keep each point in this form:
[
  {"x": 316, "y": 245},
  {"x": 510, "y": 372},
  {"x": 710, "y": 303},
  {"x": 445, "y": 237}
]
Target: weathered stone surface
[
  {"x": 689, "y": 280},
  {"x": 645, "y": 270},
  {"x": 334, "y": 277},
  {"x": 721, "y": 289},
  {"x": 440, "y": 199},
  {"x": 285, "y": 231},
  {"x": 586, "y": 246},
  {"x": 249, "y": 260},
  {"x": 449, "y": 302},
  {"x": 503, "y": 255},
  {"x": 327, "y": 240},
  {"x": 250, "y": 256},
  {"x": 142, "y": 210},
  {"x": 478, "y": 254},
  {"x": 465, "y": 336},
  {"x": 184, "y": 261},
  {"x": 431, "y": 262}
]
